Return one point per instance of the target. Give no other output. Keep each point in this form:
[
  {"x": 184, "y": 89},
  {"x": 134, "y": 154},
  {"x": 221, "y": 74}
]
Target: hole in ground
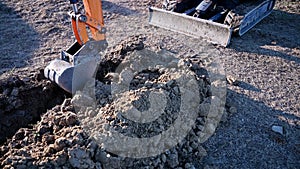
[{"x": 23, "y": 100}]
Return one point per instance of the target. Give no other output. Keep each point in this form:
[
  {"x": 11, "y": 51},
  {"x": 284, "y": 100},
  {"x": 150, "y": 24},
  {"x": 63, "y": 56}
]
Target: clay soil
[{"x": 37, "y": 118}]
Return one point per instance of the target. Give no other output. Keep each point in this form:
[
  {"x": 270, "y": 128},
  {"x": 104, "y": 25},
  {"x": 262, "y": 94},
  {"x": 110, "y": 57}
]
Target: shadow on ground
[
  {"x": 18, "y": 40},
  {"x": 247, "y": 86},
  {"x": 274, "y": 36},
  {"x": 246, "y": 141}
]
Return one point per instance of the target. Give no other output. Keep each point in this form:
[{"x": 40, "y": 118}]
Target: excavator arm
[
  {"x": 93, "y": 18},
  {"x": 79, "y": 63}
]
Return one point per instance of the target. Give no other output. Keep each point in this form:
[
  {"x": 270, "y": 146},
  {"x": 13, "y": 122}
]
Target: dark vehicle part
[{"x": 218, "y": 21}]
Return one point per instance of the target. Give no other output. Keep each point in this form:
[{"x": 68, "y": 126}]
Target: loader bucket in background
[{"x": 199, "y": 28}]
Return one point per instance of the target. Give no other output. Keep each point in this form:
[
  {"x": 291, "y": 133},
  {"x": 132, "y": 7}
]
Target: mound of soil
[{"x": 58, "y": 139}]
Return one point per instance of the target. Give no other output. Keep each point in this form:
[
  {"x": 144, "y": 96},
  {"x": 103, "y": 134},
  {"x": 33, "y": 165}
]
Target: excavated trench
[{"x": 23, "y": 99}]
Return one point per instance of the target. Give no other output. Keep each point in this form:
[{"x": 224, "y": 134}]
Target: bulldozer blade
[
  {"x": 68, "y": 77},
  {"x": 196, "y": 27}
]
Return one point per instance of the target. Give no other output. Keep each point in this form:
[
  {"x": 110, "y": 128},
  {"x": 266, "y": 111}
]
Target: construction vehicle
[
  {"x": 79, "y": 63},
  {"x": 213, "y": 20}
]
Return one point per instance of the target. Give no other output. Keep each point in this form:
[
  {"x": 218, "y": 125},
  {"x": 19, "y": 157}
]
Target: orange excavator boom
[{"x": 79, "y": 63}]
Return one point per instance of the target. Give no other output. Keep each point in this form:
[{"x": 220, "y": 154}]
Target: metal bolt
[
  {"x": 82, "y": 18},
  {"x": 103, "y": 30}
]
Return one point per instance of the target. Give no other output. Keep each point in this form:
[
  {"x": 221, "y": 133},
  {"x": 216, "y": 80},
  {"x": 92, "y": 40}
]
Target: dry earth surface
[{"x": 39, "y": 125}]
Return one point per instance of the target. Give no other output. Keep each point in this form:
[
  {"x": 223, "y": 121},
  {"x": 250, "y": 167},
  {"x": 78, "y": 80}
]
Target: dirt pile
[{"x": 58, "y": 140}]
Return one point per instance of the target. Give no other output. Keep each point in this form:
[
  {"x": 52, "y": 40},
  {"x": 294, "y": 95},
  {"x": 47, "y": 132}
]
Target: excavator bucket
[
  {"x": 68, "y": 77},
  {"x": 244, "y": 17},
  {"x": 60, "y": 72},
  {"x": 77, "y": 65}
]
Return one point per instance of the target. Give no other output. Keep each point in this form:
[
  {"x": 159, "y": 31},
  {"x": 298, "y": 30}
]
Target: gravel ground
[{"x": 264, "y": 66}]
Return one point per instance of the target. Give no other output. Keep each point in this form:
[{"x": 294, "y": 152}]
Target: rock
[
  {"x": 233, "y": 110},
  {"x": 176, "y": 90},
  {"x": 148, "y": 84},
  {"x": 26, "y": 79},
  {"x": 173, "y": 160},
  {"x": 15, "y": 92},
  {"x": 163, "y": 158},
  {"x": 224, "y": 116},
  {"x": 50, "y": 149},
  {"x": 42, "y": 129},
  {"x": 16, "y": 103},
  {"x": 20, "y": 134},
  {"x": 204, "y": 109},
  {"x": 171, "y": 83},
  {"x": 79, "y": 158},
  {"x": 232, "y": 80},
  {"x": 194, "y": 145},
  {"x": 7, "y": 91},
  {"x": 66, "y": 105},
  {"x": 56, "y": 108},
  {"x": 277, "y": 129},
  {"x": 15, "y": 81},
  {"x": 81, "y": 99},
  {"x": 71, "y": 119},
  {"x": 61, "y": 158},
  {"x": 114, "y": 163},
  {"x": 184, "y": 63},
  {"x": 48, "y": 139},
  {"x": 59, "y": 144},
  {"x": 91, "y": 147},
  {"x": 201, "y": 151},
  {"x": 189, "y": 166},
  {"x": 101, "y": 156},
  {"x": 22, "y": 166},
  {"x": 98, "y": 165}
]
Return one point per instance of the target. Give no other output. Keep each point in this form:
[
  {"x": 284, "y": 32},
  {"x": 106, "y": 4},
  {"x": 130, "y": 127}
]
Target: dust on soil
[{"x": 265, "y": 62}]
